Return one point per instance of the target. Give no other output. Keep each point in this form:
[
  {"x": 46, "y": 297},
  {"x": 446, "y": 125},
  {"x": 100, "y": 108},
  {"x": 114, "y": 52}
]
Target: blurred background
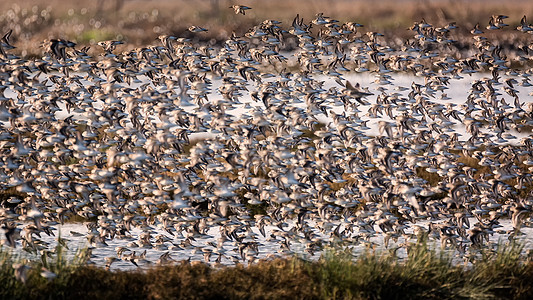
[{"x": 140, "y": 22}]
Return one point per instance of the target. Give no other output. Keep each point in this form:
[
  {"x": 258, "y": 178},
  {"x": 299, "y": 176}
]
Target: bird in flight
[
  {"x": 194, "y": 28},
  {"x": 240, "y": 9}
]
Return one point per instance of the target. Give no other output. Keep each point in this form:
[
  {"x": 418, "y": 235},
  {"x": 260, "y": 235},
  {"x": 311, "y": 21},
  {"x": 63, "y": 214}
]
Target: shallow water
[{"x": 267, "y": 247}]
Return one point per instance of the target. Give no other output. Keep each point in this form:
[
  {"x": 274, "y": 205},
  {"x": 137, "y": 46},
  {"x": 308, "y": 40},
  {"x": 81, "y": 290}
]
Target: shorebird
[
  {"x": 524, "y": 25},
  {"x": 476, "y": 30},
  {"x": 496, "y": 22},
  {"x": 194, "y": 28},
  {"x": 48, "y": 274},
  {"x": 21, "y": 272},
  {"x": 162, "y": 145},
  {"x": 12, "y": 233},
  {"x": 58, "y": 47},
  {"x": 240, "y": 9},
  {"x": 109, "y": 46},
  {"x": 355, "y": 92},
  {"x": 4, "y": 43}
]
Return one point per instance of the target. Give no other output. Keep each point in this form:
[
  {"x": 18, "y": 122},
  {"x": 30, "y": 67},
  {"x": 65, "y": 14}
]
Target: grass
[
  {"x": 424, "y": 273},
  {"x": 58, "y": 262},
  {"x": 93, "y": 36}
]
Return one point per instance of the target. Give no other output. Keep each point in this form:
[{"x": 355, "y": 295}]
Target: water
[{"x": 75, "y": 236}]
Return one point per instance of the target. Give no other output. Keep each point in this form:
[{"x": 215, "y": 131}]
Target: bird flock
[{"x": 180, "y": 137}]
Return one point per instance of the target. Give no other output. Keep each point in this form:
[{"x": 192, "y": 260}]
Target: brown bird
[
  {"x": 355, "y": 92},
  {"x": 194, "y": 28},
  {"x": 4, "y": 43},
  {"x": 240, "y": 9}
]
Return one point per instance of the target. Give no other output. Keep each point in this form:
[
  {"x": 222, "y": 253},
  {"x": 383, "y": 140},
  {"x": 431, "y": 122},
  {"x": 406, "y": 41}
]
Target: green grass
[
  {"x": 425, "y": 273},
  {"x": 94, "y": 36}
]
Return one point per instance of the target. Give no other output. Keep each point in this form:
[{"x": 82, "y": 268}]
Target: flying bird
[
  {"x": 194, "y": 28},
  {"x": 240, "y": 9}
]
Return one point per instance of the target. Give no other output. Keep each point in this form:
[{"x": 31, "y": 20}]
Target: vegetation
[{"x": 424, "y": 273}]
